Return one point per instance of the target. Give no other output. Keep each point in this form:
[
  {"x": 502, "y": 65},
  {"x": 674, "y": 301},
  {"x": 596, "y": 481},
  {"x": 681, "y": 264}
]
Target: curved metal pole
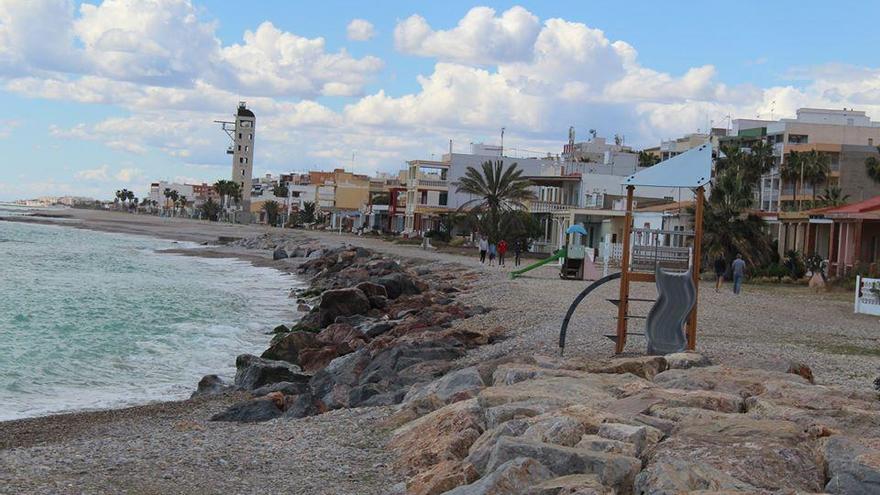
[{"x": 577, "y": 301}]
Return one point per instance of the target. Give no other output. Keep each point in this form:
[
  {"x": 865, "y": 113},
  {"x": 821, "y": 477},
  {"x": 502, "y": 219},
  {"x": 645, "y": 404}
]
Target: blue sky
[{"x": 114, "y": 94}]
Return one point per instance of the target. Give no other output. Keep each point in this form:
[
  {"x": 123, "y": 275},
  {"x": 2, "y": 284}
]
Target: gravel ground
[{"x": 172, "y": 448}]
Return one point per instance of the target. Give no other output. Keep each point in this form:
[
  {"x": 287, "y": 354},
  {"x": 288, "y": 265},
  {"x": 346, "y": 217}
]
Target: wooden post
[
  {"x": 698, "y": 256},
  {"x": 831, "y": 250},
  {"x": 623, "y": 306},
  {"x": 857, "y": 244}
]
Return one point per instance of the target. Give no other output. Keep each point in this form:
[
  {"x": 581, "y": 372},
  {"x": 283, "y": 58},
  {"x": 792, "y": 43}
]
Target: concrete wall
[{"x": 854, "y": 178}]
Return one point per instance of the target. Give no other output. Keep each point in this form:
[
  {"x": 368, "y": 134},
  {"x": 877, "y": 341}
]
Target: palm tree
[
  {"x": 307, "y": 214},
  {"x": 272, "y": 208},
  {"x": 790, "y": 170},
  {"x": 817, "y": 167},
  {"x": 648, "y": 159},
  {"x": 761, "y": 160},
  {"x": 498, "y": 191},
  {"x": 872, "y": 167},
  {"x": 833, "y": 196},
  {"x": 182, "y": 202}
]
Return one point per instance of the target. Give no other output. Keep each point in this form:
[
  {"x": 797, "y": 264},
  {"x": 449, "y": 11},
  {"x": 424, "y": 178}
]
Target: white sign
[{"x": 867, "y": 296}]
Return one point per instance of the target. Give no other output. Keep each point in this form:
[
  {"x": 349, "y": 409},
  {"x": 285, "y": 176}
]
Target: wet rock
[
  {"x": 288, "y": 347},
  {"x": 211, "y": 385},
  {"x": 280, "y": 329},
  {"x": 253, "y": 411},
  {"x": 253, "y": 372},
  {"x": 514, "y": 477},
  {"x": 279, "y": 254}
]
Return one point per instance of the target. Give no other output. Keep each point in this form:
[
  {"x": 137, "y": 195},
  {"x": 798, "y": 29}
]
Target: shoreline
[{"x": 219, "y": 252}]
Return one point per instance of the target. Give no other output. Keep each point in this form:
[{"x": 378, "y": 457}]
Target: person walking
[
  {"x": 739, "y": 267},
  {"x": 720, "y": 268},
  {"x": 493, "y": 251},
  {"x": 502, "y": 250},
  {"x": 517, "y": 250},
  {"x": 484, "y": 246}
]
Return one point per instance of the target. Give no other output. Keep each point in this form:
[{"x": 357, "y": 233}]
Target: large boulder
[
  {"x": 398, "y": 284},
  {"x": 673, "y": 476},
  {"x": 372, "y": 289},
  {"x": 286, "y": 388},
  {"x": 288, "y": 347},
  {"x": 445, "y": 434},
  {"x": 342, "y": 333},
  {"x": 211, "y": 385},
  {"x": 685, "y": 360},
  {"x": 765, "y": 454},
  {"x": 332, "y": 385},
  {"x": 852, "y": 468},
  {"x": 342, "y": 302},
  {"x": 738, "y": 381},
  {"x": 573, "y": 484},
  {"x": 254, "y": 410},
  {"x": 514, "y": 477},
  {"x": 458, "y": 385},
  {"x": 253, "y": 372},
  {"x": 613, "y": 470},
  {"x": 441, "y": 478},
  {"x": 279, "y": 254}
]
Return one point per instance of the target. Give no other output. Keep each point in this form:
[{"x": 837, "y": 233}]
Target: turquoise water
[{"x": 90, "y": 320}]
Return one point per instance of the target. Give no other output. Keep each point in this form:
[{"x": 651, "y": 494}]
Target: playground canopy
[{"x": 692, "y": 169}]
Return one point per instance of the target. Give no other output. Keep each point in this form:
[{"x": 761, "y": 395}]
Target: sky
[{"x": 102, "y": 95}]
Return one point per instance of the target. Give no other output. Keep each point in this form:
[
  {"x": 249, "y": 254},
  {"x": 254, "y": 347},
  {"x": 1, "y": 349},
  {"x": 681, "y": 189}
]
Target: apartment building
[{"x": 846, "y": 136}]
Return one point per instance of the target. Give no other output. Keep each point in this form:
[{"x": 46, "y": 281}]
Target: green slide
[{"x": 559, "y": 254}]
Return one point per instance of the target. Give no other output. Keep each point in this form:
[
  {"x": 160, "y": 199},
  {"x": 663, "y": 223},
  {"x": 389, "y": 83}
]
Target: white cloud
[
  {"x": 128, "y": 174},
  {"x": 480, "y": 37},
  {"x": 95, "y": 174},
  {"x": 360, "y": 30}
]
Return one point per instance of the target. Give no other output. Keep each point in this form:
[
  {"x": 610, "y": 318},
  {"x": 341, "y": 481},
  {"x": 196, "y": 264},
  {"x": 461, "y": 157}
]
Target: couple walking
[{"x": 499, "y": 250}]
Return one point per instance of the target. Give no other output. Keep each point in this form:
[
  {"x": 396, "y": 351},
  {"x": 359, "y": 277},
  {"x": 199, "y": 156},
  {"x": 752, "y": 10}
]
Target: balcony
[
  {"x": 437, "y": 183},
  {"x": 548, "y": 207}
]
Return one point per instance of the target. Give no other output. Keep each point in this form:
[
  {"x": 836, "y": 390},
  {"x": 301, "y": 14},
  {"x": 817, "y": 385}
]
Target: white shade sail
[{"x": 693, "y": 168}]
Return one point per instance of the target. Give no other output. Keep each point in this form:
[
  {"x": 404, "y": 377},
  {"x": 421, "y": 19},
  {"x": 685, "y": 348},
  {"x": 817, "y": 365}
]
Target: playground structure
[
  {"x": 669, "y": 259},
  {"x": 576, "y": 264}
]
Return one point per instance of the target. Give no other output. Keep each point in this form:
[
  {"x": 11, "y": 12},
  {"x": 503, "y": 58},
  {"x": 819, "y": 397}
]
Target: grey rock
[
  {"x": 279, "y": 254},
  {"x": 613, "y": 470},
  {"x": 372, "y": 289},
  {"x": 514, "y": 477},
  {"x": 852, "y": 469},
  {"x": 685, "y": 360},
  {"x": 342, "y": 302},
  {"x": 600, "y": 444},
  {"x": 458, "y": 385},
  {"x": 674, "y": 476},
  {"x": 253, "y": 372},
  {"x": 398, "y": 284},
  {"x": 286, "y": 388},
  {"x": 211, "y": 385},
  {"x": 252, "y": 411},
  {"x": 481, "y": 450}
]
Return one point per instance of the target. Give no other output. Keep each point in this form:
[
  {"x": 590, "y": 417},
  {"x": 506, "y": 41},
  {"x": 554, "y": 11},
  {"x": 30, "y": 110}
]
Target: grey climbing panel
[{"x": 664, "y": 327}]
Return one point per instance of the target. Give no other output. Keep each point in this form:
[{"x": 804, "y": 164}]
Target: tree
[
  {"x": 833, "y": 196},
  {"x": 872, "y": 167},
  {"x": 790, "y": 170},
  {"x": 210, "y": 209},
  {"x": 648, "y": 159},
  {"x": 182, "y": 202},
  {"x": 817, "y": 167},
  {"x": 307, "y": 214},
  {"x": 272, "y": 208},
  {"x": 498, "y": 191},
  {"x": 281, "y": 190},
  {"x": 728, "y": 227}
]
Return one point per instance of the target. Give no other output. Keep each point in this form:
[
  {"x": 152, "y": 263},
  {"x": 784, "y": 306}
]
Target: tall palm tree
[
  {"x": 307, "y": 214},
  {"x": 182, "y": 202},
  {"x": 498, "y": 191},
  {"x": 817, "y": 167},
  {"x": 648, "y": 159},
  {"x": 833, "y": 196},
  {"x": 790, "y": 170},
  {"x": 761, "y": 160}
]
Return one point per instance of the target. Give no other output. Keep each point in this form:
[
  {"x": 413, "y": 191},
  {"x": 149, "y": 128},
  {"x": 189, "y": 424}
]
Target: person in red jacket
[{"x": 502, "y": 249}]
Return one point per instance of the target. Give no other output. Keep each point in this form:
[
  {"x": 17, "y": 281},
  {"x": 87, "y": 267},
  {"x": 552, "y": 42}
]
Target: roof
[
  {"x": 693, "y": 168},
  {"x": 855, "y": 210}
]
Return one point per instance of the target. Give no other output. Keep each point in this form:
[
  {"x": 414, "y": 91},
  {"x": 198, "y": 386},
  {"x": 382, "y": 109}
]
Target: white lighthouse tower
[{"x": 242, "y": 152}]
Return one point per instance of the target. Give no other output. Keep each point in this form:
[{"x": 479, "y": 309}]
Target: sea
[{"x": 92, "y": 320}]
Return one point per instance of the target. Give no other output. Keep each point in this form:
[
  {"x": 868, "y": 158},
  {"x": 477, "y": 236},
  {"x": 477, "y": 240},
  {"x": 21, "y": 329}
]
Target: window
[
  {"x": 444, "y": 198},
  {"x": 245, "y": 123},
  {"x": 240, "y": 160},
  {"x": 245, "y": 160},
  {"x": 242, "y": 174},
  {"x": 870, "y": 141},
  {"x": 239, "y": 135},
  {"x": 246, "y": 148},
  {"x": 239, "y": 147},
  {"x": 250, "y": 137},
  {"x": 797, "y": 139},
  {"x": 424, "y": 199}
]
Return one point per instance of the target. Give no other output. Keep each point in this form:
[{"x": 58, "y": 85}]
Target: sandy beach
[{"x": 173, "y": 448}]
